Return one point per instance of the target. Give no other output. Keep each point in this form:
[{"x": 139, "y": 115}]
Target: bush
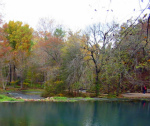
[
  {"x": 25, "y": 84},
  {"x": 14, "y": 83},
  {"x": 53, "y": 88},
  {"x": 47, "y": 94}
]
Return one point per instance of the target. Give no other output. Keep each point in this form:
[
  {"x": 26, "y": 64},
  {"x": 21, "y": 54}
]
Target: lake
[{"x": 89, "y": 113}]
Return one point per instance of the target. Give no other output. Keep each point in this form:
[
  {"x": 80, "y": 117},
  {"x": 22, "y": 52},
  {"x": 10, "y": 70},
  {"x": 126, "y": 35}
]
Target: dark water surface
[{"x": 90, "y": 113}]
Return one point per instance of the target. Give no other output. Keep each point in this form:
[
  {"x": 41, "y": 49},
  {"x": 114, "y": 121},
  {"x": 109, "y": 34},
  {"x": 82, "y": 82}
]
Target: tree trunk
[
  {"x": 14, "y": 73},
  {"x": 108, "y": 88},
  {"x": 97, "y": 86},
  {"x": 97, "y": 83},
  {"x": 119, "y": 83},
  {"x": 4, "y": 85},
  {"x": 21, "y": 84},
  {"x": 10, "y": 74},
  {"x": 118, "y": 88}
]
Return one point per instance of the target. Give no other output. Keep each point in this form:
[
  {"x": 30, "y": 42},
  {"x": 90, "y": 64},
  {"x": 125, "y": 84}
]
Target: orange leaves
[{"x": 4, "y": 48}]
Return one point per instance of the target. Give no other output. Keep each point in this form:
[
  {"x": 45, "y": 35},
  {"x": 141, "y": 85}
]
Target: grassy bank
[{"x": 4, "y": 98}]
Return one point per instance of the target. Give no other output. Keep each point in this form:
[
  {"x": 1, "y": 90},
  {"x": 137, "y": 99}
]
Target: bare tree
[{"x": 99, "y": 37}]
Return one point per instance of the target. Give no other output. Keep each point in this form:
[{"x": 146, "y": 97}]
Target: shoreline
[
  {"x": 122, "y": 97},
  {"x": 51, "y": 99},
  {"x": 136, "y": 95}
]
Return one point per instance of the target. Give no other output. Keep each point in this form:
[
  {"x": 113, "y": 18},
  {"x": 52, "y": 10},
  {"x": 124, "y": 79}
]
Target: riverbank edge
[{"x": 65, "y": 99}]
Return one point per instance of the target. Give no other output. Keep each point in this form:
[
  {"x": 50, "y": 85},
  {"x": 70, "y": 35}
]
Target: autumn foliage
[{"x": 106, "y": 59}]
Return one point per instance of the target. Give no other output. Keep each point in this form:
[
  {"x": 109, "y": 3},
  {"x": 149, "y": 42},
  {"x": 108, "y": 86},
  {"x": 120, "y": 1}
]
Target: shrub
[
  {"x": 14, "y": 83},
  {"x": 53, "y": 88}
]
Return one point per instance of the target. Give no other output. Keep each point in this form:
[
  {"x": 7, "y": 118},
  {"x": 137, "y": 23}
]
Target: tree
[
  {"x": 5, "y": 56},
  {"x": 48, "y": 53},
  {"x": 19, "y": 37},
  {"x": 97, "y": 40},
  {"x": 131, "y": 52},
  {"x": 59, "y": 33},
  {"x": 73, "y": 66}
]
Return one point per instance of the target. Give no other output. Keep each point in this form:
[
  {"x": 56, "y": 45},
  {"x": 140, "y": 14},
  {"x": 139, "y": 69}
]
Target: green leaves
[{"x": 59, "y": 33}]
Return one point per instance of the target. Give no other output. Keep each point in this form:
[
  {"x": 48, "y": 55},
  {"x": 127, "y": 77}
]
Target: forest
[{"x": 103, "y": 58}]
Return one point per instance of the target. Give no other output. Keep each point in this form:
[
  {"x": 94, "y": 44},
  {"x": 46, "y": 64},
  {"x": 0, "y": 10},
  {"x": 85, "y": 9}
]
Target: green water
[{"x": 90, "y": 113}]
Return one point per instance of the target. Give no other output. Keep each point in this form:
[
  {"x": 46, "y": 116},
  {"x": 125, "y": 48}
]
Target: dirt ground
[{"x": 136, "y": 95}]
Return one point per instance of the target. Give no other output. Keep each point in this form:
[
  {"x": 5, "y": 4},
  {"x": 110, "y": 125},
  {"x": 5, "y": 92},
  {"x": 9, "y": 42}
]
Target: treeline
[{"x": 104, "y": 58}]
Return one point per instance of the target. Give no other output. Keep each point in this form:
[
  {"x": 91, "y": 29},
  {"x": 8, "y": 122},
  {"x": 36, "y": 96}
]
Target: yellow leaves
[
  {"x": 143, "y": 64},
  {"x": 144, "y": 15},
  {"x": 87, "y": 58},
  {"x": 96, "y": 46},
  {"x": 64, "y": 50},
  {"x": 87, "y": 54},
  {"x": 25, "y": 83},
  {"x": 123, "y": 27},
  {"x": 6, "y": 61},
  {"x": 123, "y": 62},
  {"x": 148, "y": 60},
  {"x": 19, "y": 35},
  {"x": 58, "y": 82},
  {"x": 26, "y": 25}
]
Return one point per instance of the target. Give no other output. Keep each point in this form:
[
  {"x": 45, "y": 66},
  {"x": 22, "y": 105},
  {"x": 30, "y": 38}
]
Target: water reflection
[{"x": 75, "y": 114}]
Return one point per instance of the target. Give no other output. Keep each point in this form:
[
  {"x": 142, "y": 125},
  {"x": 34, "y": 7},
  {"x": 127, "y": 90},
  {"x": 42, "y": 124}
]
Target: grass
[
  {"x": 78, "y": 97},
  {"x": 63, "y": 99},
  {"x": 60, "y": 98},
  {"x": 4, "y": 98},
  {"x": 88, "y": 98}
]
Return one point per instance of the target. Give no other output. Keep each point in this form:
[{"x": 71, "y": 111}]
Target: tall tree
[
  {"x": 19, "y": 37},
  {"x": 73, "y": 67},
  {"x": 97, "y": 40},
  {"x": 5, "y": 57}
]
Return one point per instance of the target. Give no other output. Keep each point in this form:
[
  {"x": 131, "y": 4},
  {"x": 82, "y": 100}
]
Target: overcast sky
[{"x": 74, "y": 14}]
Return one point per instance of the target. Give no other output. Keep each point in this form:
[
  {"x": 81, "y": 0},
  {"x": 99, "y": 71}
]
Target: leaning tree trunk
[{"x": 97, "y": 70}]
